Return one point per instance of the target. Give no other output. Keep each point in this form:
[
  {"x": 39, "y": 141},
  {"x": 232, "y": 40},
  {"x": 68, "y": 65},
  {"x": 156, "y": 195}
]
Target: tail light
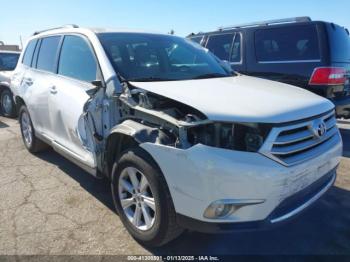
[{"x": 328, "y": 76}]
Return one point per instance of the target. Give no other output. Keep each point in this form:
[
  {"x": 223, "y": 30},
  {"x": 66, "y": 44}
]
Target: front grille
[{"x": 297, "y": 143}]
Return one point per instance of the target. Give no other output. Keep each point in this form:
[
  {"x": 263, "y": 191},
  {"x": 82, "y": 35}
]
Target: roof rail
[
  {"x": 269, "y": 22},
  {"x": 60, "y": 27}
]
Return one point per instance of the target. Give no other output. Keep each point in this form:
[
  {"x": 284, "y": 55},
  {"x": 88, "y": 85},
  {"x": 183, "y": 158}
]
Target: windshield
[
  {"x": 8, "y": 61},
  {"x": 151, "y": 57}
]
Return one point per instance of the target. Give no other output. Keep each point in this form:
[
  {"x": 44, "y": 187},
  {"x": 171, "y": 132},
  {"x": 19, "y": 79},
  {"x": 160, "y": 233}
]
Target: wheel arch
[
  {"x": 3, "y": 86},
  {"x": 129, "y": 134},
  {"x": 19, "y": 102}
]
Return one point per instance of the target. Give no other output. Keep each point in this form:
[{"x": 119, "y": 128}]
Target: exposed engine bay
[{"x": 182, "y": 126}]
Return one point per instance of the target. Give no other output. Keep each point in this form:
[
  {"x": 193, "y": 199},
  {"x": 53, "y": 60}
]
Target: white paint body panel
[
  {"x": 5, "y": 77},
  {"x": 242, "y": 99}
]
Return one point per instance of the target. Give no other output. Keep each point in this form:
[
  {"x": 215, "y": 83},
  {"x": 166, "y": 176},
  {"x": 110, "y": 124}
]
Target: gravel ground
[{"x": 50, "y": 206}]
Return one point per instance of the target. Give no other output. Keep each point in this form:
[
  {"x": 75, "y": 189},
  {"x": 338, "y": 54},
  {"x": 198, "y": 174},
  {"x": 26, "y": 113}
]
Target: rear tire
[
  {"x": 7, "y": 105},
  {"x": 136, "y": 164},
  {"x": 31, "y": 142}
]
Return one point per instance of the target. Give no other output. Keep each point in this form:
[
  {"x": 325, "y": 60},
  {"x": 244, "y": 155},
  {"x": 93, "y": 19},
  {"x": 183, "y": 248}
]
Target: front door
[{"x": 77, "y": 68}]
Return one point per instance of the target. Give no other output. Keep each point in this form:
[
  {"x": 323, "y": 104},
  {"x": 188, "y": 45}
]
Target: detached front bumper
[{"x": 201, "y": 175}]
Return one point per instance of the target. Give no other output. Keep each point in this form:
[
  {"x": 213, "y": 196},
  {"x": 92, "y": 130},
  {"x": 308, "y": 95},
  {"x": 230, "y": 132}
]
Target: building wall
[{"x": 8, "y": 47}]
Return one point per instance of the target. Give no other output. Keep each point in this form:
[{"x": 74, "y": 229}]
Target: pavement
[{"x": 50, "y": 206}]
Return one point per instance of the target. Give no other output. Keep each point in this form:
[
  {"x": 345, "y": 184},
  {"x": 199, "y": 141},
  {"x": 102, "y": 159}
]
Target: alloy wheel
[
  {"x": 136, "y": 198},
  {"x": 26, "y": 129},
  {"x": 6, "y": 103}
]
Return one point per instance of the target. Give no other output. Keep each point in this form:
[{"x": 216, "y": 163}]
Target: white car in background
[
  {"x": 8, "y": 62},
  {"x": 185, "y": 142}
]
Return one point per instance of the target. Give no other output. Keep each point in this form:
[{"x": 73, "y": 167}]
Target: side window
[
  {"x": 36, "y": 53},
  {"x": 48, "y": 53},
  {"x": 28, "y": 54},
  {"x": 221, "y": 45},
  {"x": 293, "y": 43},
  {"x": 77, "y": 59},
  {"x": 236, "y": 49}
]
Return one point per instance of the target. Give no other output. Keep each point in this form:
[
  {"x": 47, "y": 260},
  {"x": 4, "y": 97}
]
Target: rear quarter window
[
  {"x": 292, "y": 43},
  {"x": 339, "y": 42},
  {"x": 28, "y": 53}
]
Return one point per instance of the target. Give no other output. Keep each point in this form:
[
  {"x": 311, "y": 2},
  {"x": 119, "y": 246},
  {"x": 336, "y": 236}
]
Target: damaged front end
[
  {"x": 150, "y": 117},
  {"x": 153, "y": 118}
]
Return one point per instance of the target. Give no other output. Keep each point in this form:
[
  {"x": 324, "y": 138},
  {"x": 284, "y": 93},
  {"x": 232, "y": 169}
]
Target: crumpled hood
[{"x": 242, "y": 99}]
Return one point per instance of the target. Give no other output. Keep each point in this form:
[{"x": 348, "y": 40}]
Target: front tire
[
  {"x": 7, "y": 105},
  {"x": 31, "y": 142},
  {"x": 143, "y": 200}
]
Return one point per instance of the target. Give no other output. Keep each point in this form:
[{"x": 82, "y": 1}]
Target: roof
[
  {"x": 87, "y": 30},
  {"x": 257, "y": 25}
]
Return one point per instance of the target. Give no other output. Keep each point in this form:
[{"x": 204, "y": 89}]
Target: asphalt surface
[{"x": 50, "y": 206}]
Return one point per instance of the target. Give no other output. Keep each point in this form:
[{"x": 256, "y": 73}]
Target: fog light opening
[
  {"x": 224, "y": 208},
  {"x": 218, "y": 210}
]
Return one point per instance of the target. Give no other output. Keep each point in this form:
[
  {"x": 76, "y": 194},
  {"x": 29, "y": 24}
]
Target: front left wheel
[{"x": 143, "y": 200}]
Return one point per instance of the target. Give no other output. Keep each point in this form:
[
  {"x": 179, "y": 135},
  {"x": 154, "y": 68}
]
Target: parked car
[
  {"x": 8, "y": 62},
  {"x": 314, "y": 55},
  {"x": 186, "y": 143}
]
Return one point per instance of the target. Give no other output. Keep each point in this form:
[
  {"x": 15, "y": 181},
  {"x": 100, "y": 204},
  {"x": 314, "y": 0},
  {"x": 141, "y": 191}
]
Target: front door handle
[{"x": 53, "y": 90}]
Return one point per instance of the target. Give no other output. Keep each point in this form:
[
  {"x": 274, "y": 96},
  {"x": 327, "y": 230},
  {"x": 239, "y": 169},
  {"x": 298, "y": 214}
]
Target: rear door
[
  {"x": 285, "y": 53},
  {"x": 38, "y": 81}
]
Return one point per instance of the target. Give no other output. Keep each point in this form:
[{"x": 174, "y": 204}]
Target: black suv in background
[{"x": 314, "y": 55}]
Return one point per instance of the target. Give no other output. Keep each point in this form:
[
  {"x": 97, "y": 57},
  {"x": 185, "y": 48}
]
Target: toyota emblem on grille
[{"x": 319, "y": 129}]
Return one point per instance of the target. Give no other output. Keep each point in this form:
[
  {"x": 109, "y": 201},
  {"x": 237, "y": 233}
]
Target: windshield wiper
[{"x": 211, "y": 75}]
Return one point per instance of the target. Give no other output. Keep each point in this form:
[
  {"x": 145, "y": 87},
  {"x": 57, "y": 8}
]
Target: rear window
[
  {"x": 339, "y": 43},
  {"x": 293, "y": 43},
  {"x": 221, "y": 45},
  {"x": 8, "y": 61},
  {"x": 48, "y": 53},
  {"x": 28, "y": 53}
]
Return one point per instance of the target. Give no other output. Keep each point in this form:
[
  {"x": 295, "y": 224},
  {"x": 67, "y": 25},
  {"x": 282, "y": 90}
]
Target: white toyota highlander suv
[{"x": 185, "y": 142}]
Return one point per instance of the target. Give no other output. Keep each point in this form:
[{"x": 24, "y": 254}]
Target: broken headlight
[{"x": 242, "y": 137}]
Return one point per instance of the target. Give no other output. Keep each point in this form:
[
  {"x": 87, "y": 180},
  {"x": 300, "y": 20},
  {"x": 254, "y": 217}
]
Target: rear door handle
[{"x": 53, "y": 90}]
